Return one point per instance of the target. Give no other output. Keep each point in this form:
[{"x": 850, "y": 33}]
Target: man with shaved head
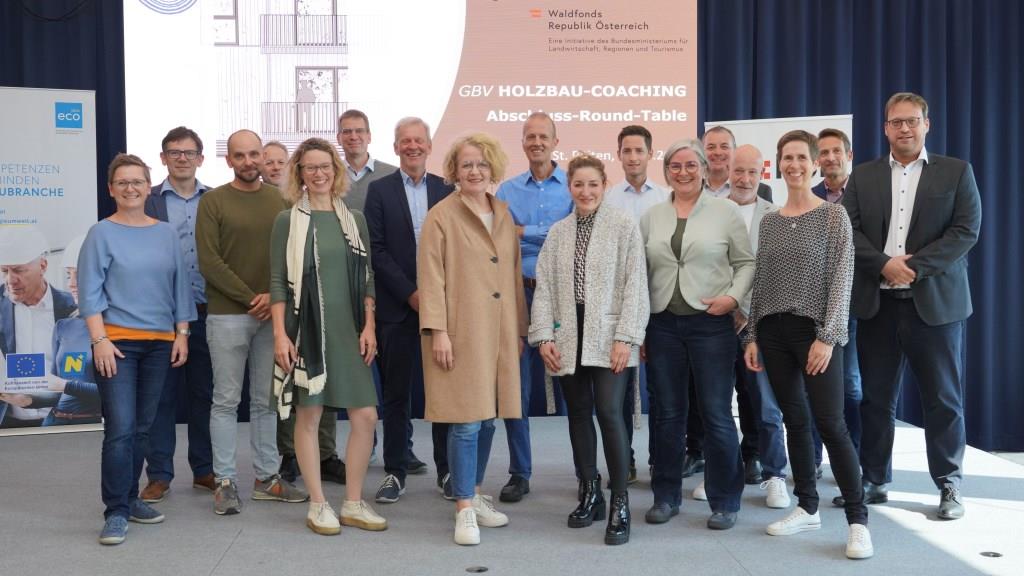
[
  {"x": 233, "y": 227},
  {"x": 764, "y": 416}
]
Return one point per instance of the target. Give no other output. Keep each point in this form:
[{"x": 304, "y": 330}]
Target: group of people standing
[{"x": 470, "y": 279}]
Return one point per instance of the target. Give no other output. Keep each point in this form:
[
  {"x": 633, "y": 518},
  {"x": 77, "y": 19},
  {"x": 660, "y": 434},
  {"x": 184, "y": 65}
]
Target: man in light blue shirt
[
  {"x": 537, "y": 199},
  {"x": 176, "y": 201},
  {"x": 636, "y": 195}
]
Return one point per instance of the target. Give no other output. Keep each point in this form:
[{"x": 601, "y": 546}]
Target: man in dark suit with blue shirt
[
  {"x": 835, "y": 155},
  {"x": 915, "y": 217},
  {"x": 396, "y": 206},
  {"x": 176, "y": 201}
]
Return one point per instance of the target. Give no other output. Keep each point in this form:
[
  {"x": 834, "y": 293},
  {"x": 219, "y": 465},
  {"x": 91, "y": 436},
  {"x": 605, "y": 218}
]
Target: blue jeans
[
  {"x": 469, "y": 447},
  {"x": 706, "y": 346},
  {"x": 234, "y": 339},
  {"x": 129, "y": 401},
  {"x": 771, "y": 440},
  {"x": 852, "y": 393},
  {"x": 517, "y": 430},
  {"x": 196, "y": 377}
]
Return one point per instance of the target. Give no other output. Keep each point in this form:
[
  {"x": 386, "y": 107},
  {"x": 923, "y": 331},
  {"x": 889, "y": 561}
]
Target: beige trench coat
[{"x": 470, "y": 285}]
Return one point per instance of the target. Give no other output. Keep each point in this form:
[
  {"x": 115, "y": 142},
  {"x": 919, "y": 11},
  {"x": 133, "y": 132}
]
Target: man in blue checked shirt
[{"x": 537, "y": 198}]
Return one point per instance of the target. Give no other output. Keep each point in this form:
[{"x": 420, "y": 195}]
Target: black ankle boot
[
  {"x": 591, "y": 505},
  {"x": 618, "y": 520}
]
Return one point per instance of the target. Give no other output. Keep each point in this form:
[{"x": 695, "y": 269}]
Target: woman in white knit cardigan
[{"x": 590, "y": 310}]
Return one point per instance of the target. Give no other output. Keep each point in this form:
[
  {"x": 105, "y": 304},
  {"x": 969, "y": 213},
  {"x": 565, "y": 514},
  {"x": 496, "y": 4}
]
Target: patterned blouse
[
  {"x": 584, "y": 226},
  {"x": 805, "y": 268}
]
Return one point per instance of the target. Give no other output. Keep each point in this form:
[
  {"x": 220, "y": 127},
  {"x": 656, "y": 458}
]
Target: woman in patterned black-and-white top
[{"x": 801, "y": 301}]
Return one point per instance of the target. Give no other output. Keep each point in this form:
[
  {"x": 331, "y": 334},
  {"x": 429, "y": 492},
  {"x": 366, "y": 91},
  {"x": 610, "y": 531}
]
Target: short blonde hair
[
  {"x": 340, "y": 185},
  {"x": 487, "y": 145}
]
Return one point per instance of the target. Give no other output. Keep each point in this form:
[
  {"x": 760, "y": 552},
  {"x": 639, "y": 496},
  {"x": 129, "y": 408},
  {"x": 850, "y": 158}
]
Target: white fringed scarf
[{"x": 309, "y": 371}]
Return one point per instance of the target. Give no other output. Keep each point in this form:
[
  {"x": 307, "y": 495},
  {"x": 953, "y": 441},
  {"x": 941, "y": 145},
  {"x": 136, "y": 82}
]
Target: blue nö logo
[{"x": 68, "y": 114}]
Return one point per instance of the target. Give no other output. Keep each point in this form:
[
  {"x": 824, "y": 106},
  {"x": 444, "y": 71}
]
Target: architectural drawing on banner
[{"x": 293, "y": 54}]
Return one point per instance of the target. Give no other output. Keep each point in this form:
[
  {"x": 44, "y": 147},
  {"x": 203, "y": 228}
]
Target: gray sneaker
[
  {"x": 279, "y": 489},
  {"x": 225, "y": 498},
  {"x": 143, "y": 513}
]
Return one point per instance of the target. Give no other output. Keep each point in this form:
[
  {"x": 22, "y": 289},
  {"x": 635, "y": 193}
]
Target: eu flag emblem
[{"x": 26, "y": 365}]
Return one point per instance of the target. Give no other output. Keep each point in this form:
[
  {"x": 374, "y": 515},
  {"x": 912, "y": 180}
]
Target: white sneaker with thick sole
[
  {"x": 360, "y": 515},
  {"x": 778, "y": 496},
  {"x": 486, "y": 515},
  {"x": 467, "y": 533},
  {"x": 321, "y": 519},
  {"x": 797, "y": 521},
  {"x": 858, "y": 543},
  {"x": 699, "y": 493}
]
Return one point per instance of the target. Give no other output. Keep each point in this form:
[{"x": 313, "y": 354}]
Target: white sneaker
[
  {"x": 360, "y": 515},
  {"x": 699, "y": 493},
  {"x": 467, "y": 533},
  {"x": 797, "y": 521},
  {"x": 322, "y": 520},
  {"x": 858, "y": 544},
  {"x": 486, "y": 515},
  {"x": 778, "y": 496}
]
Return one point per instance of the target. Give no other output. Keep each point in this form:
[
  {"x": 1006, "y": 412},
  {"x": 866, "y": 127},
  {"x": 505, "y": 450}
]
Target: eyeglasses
[
  {"x": 677, "y": 167},
  {"x": 351, "y": 131},
  {"x": 469, "y": 166},
  {"x": 314, "y": 168},
  {"x": 175, "y": 154},
  {"x": 125, "y": 184},
  {"x": 897, "y": 123}
]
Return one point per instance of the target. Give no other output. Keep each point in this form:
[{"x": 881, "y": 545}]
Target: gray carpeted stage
[{"x": 51, "y": 514}]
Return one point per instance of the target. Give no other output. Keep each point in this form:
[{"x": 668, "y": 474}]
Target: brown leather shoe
[
  {"x": 204, "y": 482},
  {"x": 155, "y": 491}
]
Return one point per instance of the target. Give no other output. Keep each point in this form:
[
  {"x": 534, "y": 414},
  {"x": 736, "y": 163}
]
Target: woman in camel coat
[{"x": 473, "y": 318}]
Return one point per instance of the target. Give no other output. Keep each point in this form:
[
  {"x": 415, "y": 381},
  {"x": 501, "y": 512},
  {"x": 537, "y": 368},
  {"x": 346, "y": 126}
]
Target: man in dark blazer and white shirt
[
  {"x": 915, "y": 217},
  {"x": 396, "y": 206}
]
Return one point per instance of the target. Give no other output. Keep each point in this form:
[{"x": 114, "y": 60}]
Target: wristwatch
[{"x": 184, "y": 332}]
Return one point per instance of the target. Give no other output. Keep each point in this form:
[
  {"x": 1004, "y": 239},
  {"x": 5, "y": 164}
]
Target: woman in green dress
[{"x": 322, "y": 306}]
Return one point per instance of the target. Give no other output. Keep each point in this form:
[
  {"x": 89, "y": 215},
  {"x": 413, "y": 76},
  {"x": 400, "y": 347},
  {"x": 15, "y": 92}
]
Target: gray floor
[{"x": 50, "y": 515}]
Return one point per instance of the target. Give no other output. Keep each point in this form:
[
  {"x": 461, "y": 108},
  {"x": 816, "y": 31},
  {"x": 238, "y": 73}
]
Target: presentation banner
[
  {"x": 287, "y": 69},
  {"x": 47, "y": 204},
  {"x": 765, "y": 134}
]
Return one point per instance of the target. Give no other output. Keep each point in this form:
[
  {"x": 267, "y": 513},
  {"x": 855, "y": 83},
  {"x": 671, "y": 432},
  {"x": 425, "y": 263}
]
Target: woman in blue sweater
[{"x": 135, "y": 296}]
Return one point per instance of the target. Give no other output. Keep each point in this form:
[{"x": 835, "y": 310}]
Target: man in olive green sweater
[{"x": 233, "y": 227}]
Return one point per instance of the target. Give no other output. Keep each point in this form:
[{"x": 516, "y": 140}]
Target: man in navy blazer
[
  {"x": 396, "y": 206},
  {"x": 915, "y": 217},
  {"x": 835, "y": 153},
  {"x": 176, "y": 201}
]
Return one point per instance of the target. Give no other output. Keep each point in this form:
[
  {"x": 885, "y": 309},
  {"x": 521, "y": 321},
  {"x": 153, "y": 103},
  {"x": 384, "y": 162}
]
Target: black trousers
[
  {"x": 785, "y": 340},
  {"x": 401, "y": 368},
  {"x": 597, "y": 388},
  {"x": 887, "y": 342}
]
